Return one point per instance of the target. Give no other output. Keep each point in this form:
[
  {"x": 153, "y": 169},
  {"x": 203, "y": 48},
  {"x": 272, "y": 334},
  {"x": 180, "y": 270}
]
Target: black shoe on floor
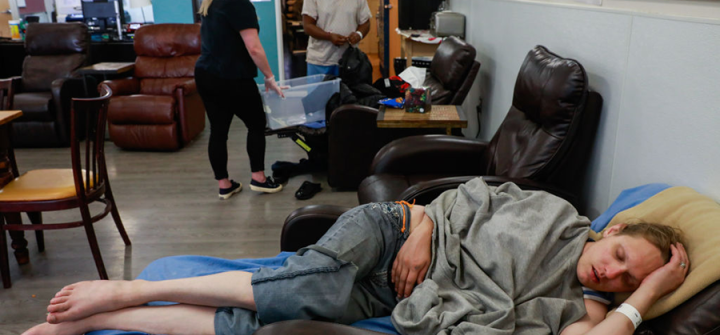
[
  {"x": 269, "y": 186},
  {"x": 307, "y": 190},
  {"x": 226, "y": 193}
]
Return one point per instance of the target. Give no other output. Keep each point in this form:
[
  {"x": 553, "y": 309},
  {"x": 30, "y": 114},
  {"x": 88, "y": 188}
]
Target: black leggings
[{"x": 224, "y": 98}]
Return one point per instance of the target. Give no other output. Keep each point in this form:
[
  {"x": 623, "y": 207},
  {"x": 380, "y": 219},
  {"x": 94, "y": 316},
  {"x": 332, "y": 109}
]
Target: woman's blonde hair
[
  {"x": 204, "y": 6},
  {"x": 661, "y": 236}
]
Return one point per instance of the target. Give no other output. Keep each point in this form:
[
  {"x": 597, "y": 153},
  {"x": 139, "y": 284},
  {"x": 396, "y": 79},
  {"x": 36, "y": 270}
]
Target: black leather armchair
[
  {"x": 46, "y": 87},
  {"x": 545, "y": 140},
  {"x": 452, "y": 72},
  {"x": 354, "y": 135}
]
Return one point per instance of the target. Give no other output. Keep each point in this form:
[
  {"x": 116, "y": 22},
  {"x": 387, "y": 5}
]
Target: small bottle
[{"x": 23, "y": 28}]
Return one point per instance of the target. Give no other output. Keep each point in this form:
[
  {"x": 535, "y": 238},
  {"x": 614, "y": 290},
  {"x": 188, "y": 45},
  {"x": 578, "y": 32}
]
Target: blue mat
[{"x": 192, "y": 266}]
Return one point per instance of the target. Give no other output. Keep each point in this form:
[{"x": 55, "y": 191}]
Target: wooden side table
[
  {"x": 439, "y": 116},
  {"x": 104, "y": 69}
]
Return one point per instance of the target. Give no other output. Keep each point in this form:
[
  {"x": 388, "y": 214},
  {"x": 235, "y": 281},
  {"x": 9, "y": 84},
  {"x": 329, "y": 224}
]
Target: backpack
[{"x": 355, "y": 67}]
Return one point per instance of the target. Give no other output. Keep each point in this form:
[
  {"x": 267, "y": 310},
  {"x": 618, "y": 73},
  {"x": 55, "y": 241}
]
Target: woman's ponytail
[{"x": 204, "y": 6}]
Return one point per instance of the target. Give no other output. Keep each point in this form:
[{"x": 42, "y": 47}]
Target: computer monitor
[{"x": 98, "y": 9}]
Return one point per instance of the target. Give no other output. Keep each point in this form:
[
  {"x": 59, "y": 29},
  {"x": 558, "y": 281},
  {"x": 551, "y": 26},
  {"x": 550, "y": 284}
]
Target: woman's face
[{"x": 617, "y": 263}]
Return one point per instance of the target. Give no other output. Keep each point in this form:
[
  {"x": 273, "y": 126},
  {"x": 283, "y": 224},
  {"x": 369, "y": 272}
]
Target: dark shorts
[{"x": 343, "y": 278}]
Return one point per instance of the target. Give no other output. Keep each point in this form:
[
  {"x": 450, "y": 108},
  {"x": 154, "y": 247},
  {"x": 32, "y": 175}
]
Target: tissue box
[{"x": 417, "y": 100}]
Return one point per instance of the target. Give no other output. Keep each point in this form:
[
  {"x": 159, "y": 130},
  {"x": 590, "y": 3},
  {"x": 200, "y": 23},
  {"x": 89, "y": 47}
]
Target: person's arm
[
  {"x": 256, "y": 50},
  {"x": 659, "y": 283},
  {"x": 412, "y": 261},
  {"x": 257, "y": 53},
  {"x": 311, "y": 29},
  {"x": 364, "y": 29}
]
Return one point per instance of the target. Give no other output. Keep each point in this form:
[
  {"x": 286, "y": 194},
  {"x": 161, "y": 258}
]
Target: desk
[
  {"x": 104, "y": 69},
  {"x": 439, "y": 116},
  {"x": 423, "y": 46},
  {"x": 8, "y": 171}
]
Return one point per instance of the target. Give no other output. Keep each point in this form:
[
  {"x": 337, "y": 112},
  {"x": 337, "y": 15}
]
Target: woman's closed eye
[{"x": 620, "y": 254}]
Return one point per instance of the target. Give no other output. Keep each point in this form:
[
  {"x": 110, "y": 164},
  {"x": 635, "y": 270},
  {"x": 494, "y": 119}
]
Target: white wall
[{"x": 659, "y": 77}]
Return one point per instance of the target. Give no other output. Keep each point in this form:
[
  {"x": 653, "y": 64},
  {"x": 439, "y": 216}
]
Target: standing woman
[{"x": 224, "y": 73}]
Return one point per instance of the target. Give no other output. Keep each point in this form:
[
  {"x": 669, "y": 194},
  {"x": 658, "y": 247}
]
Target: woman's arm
[
  {"x": 256, "y": 50},
  {"x": 659, "y": 283},
  {"x": 257, "y": 53},
  {"x": 412, "y": 261}
]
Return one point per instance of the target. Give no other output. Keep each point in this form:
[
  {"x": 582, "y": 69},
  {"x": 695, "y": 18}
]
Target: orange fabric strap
[{"x": 403, "y": 202}]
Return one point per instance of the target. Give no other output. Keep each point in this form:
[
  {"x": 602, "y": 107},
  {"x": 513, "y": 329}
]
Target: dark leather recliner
[
  {"x": 306, "y": 225},
  {"x": 47, "y": 84},
  {"x": 545, "y": 139},
  {"x": 354, "y": 135},
  {"x": 452, "y": 72},
  {"x": 159, "y": 108}
]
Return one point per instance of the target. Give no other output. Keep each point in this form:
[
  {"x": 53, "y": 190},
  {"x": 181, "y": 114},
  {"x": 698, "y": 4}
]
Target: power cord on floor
[{"x": 479, "y": 112}]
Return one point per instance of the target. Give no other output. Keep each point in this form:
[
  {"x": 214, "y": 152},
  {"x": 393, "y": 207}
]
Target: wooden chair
[
  {"x": 6, "y": 94},
  {"x": 8, "y": 167},
  {"x": 40, "y": 191}
]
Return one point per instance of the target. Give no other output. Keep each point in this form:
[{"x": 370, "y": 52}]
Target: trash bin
[{"x": 399, "y": 64}]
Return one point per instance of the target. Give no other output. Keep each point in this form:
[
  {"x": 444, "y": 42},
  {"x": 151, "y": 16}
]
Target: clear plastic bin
[{"x": 304, "y": 101}]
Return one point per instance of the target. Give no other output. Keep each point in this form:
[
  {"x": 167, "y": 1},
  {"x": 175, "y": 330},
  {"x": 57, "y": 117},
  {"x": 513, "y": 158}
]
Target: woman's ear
[{"x": 609, "y": 231}]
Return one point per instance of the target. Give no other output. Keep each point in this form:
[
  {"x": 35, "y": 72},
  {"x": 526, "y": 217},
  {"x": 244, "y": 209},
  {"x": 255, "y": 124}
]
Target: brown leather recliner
[
  {"x": 159, "y": 108},
  {"x": 47, "y": 84},
  {"x": 354, "y": 135},
  {"x": 545, "y": 140}
]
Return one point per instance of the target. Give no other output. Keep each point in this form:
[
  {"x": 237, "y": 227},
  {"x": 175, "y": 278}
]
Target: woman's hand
[
  {"x": 271, "y": 84},
  {"x": 412, "y": 261},
  {"x": 669, "y": 277}
]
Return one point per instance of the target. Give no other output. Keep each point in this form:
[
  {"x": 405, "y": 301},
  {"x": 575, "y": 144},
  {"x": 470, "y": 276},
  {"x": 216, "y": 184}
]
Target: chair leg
[
  {"x": 36, "y": 218},
  {"x": 116, "y": 214},
  {"x": 94, "y": 247},
  {"x": 19, "y": 243},
  {"x": 4, "y": 262}
]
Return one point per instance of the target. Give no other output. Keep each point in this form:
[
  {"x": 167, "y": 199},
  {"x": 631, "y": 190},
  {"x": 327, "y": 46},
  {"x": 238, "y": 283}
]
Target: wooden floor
[{"x": 169, "y": 205}]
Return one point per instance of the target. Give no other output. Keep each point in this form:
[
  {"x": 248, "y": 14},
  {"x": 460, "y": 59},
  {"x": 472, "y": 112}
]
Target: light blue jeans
[
  {"x": 343, "y": 278},
  {"x": 320, "y": 69}
]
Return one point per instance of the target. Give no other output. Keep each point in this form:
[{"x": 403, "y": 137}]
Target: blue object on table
[{"x": 392, "y": 102}]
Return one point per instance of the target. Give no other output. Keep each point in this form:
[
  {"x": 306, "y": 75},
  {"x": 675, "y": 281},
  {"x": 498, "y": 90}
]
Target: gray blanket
[{"x": 504, "y": 262}]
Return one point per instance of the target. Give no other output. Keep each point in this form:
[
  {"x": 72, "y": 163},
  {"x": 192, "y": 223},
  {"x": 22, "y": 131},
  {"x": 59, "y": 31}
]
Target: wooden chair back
[
  {"x": 88, "y": 119},
  {"x": 6, "y": 94}
]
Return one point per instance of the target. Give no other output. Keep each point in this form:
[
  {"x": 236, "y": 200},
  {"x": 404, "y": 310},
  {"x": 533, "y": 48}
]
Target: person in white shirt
[{"x": 332, "y": 25}]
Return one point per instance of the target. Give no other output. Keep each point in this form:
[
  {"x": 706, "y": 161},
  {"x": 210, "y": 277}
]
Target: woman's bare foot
[
  {"x": 66, "y": 328},
  {"x": 83, "y": 299}
]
